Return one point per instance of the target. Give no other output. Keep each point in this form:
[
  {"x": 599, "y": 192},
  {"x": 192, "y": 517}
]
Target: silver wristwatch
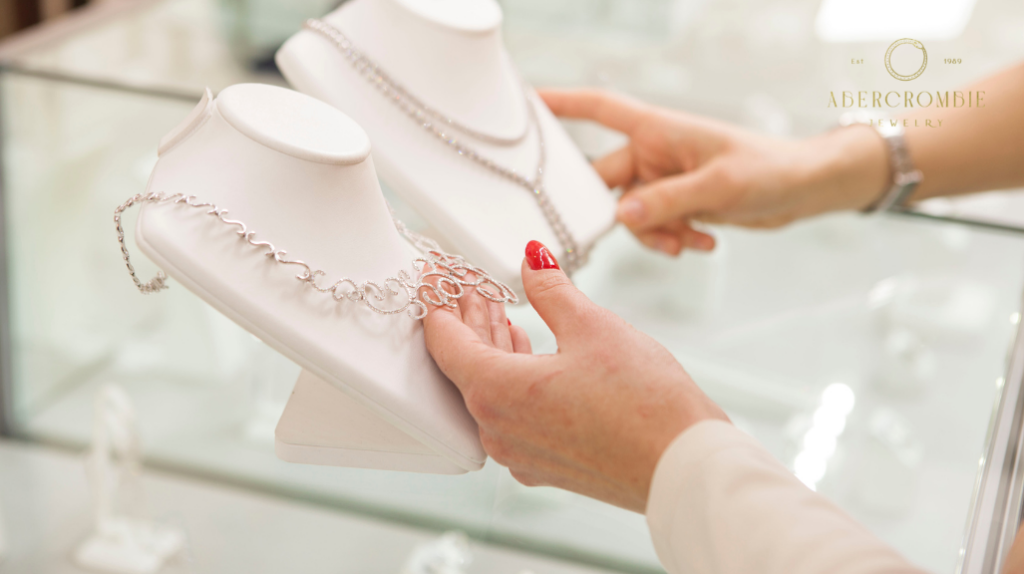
[{"x": 905, "y": 177}]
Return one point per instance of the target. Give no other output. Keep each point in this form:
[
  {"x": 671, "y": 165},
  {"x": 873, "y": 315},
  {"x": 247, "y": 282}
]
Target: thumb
[{"x": 565, "y": 309}]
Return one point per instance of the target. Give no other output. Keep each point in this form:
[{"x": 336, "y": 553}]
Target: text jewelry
[
  {"x": 449, "y": 272},
  {"x": 435, "y": 123}
]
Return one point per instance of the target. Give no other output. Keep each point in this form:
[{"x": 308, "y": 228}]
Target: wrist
[
  {"x": 847, "y": 168},
  {"x": 694, "y": 408}
]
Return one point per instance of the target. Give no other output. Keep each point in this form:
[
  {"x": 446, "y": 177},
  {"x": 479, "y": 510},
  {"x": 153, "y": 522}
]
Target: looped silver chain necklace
[
  {"x": 442, "y": 277},
  {"x": 441, "y": 126}
]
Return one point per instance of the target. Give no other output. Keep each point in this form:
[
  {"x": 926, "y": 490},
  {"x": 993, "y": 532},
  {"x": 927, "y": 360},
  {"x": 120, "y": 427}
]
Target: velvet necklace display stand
[
  {"x": 299, "y": 173},
  {"x": 449, "y": 53}
]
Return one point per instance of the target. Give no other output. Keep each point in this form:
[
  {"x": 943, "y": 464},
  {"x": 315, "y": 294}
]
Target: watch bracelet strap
[{"x": 905, "y": 177}]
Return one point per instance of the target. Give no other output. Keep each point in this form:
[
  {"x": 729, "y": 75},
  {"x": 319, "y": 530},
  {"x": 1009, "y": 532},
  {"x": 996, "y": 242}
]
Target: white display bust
[
  {"x": 449, "y": 54},
  {"x": 298, "y": 173}
]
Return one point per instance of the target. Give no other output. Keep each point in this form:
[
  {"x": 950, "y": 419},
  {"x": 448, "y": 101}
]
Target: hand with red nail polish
[{"x": 593, "y": 418}]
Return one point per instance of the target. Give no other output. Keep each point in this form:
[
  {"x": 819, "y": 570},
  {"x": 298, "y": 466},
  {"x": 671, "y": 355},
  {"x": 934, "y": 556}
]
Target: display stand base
[{"x": 324, "y": 426}]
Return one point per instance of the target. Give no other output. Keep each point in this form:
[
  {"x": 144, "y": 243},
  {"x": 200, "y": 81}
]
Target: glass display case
[{"x": 872, "y": 355}]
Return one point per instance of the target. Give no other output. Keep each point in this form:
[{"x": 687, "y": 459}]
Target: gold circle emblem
[{"x": 896, "y": 44}]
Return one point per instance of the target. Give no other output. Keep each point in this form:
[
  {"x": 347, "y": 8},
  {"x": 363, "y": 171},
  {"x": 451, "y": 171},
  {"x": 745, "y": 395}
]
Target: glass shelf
[{"x": 909, "y": 321}]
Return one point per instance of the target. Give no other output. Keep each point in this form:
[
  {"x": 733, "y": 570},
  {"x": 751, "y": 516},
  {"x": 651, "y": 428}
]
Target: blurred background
[
  {"x": 868, "y": 354},
  {"x": 20, "y": 14}
]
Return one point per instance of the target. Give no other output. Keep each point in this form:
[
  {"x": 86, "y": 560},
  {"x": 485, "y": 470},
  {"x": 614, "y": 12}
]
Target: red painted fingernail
[
  {"x": 538, "y": 256},
  {"x": 509, "y": 321}
]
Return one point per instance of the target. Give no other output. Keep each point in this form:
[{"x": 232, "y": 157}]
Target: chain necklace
[
  {"x": 436, "y": 123},
  {"x": 450, "y": 271}
]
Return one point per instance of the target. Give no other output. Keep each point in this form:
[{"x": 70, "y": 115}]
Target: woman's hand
[
  {"x": 593, "y": 418},
  {"x": 679, "y": 168},
  {"x": 1015, "y": 559}
]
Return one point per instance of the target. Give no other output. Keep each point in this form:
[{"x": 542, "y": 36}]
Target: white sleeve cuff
[{"x": 721, "y": 504}]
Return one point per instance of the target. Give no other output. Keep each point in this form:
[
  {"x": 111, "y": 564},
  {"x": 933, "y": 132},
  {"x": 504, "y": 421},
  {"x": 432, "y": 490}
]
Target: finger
[
  {"x": 475, "y": 312},
  {"x": 434, "y": 281},
  {"x": 520, "y": 340},
  {"x": 567, "y": 311},
  {"x": 677, "y": 236},
  {"x": 663, "y": 241},
  {"x": 695, "y": 239},
  {"x": 466, "y": 359},
  {"x": 668, "y": 238},
  {"x": 681, "y": 196},
  {"x": 499, "y": 323},
  {"x": 617, "y": 168},
  {"x": 511, "y": 445},
  {"x": 458, "y": 350},
  {"x": 610, "y": 110},
  {"x": 527, "y": 478},
  {"x": 689, "y": 236}
]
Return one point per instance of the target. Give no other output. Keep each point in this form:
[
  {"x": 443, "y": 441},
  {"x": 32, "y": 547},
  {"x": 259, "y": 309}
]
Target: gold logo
[{"x": 898, "y": 43}]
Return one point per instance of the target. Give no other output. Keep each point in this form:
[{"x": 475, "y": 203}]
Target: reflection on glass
[{"x": 819, "y": 442}]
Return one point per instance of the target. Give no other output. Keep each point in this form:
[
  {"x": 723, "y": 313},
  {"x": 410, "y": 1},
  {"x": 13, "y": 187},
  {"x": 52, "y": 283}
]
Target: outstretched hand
[
  {"x": 593, "y": 418},
  {"x": 678, "y": 168}
]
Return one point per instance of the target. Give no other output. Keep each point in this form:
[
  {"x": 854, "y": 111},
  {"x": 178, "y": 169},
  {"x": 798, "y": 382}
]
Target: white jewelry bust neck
[
  {"x": 463, "y": 74},
  {"x": 294, "y": 170},
  {"x": 298, "y": 173}
]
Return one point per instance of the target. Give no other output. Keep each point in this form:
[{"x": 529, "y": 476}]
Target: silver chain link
[
  {"x": 155, "y": 284},
  {"x": 437, "y": 124},
  {"x": 442, "y": 277}
]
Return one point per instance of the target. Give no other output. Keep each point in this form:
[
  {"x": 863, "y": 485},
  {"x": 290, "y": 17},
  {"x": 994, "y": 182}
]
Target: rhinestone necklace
[
  {"x": 436, "y": 123},
  {"x": 449, "y": 272}
]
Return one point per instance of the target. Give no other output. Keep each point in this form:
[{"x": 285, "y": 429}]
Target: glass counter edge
[{"x": 996, "y": 505}]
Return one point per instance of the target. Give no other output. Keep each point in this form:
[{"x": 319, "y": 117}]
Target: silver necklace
[
  {"x": 436, "y": 123},
  {"x": 448, "y": 273}
]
